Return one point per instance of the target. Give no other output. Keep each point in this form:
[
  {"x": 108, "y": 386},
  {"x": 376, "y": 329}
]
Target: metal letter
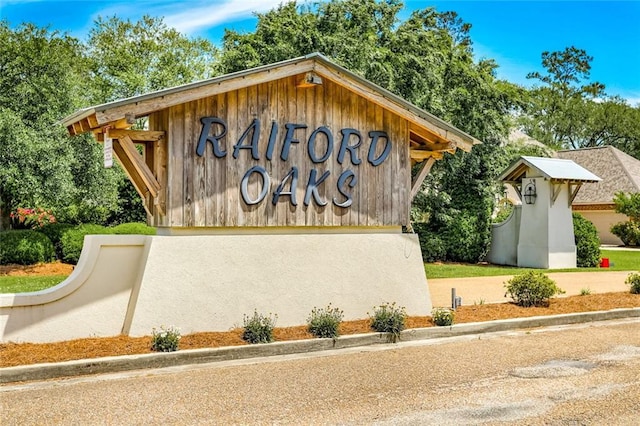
[
  {"x": 255, "y": 127},
  {"x": 272, "y": 140},
  {"x": 312, "y": 188},
  {"x": 245, "y": 182},
  {"x": 344, "y": 146},
  {"x": 311, "y": 144},
  {"x": 215, "y": 139},
  {"x": 288, "y": 139},
  {"x": 293, "y": 174},
  {"x": 375, "y": 136},
  {"x": 352, "y": 183}
]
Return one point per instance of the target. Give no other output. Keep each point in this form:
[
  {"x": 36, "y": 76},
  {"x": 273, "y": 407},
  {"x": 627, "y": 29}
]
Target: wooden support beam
[
  {"x": 573, "y": 191},
  {"x": 127, "y": 166},
  {"x": 557, "y": 187},
  {"x": 425, "y": 168},
  {"x": 136, "y": 135},
  {"x": 422, "y": 154},
  {"x": 138, "y": 165}
]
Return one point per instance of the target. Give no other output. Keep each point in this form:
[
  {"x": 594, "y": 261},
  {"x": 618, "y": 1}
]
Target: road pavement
[{"x": 582, "y": 374}]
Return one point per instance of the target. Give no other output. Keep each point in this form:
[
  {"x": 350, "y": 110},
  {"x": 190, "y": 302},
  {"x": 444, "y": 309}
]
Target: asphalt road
[{"x": 573, "y": 375}]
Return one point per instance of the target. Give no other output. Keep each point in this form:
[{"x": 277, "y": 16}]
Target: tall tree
[{"x": 569, "y": 111}]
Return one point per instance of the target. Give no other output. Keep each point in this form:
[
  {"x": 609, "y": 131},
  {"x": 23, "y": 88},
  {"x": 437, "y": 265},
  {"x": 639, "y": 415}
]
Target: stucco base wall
[
  {"x": 131, "y": 284},
  {"x": 207, "y": 283},
  {"x": 504, "y": 239}
]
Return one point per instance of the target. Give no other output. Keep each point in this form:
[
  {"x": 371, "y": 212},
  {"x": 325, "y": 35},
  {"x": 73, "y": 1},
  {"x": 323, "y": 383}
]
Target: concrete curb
[{"x": 201, "y": 356}]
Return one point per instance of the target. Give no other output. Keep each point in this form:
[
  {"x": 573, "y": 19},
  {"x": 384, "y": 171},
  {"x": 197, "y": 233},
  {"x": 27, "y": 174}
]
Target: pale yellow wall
[{"x": 603, "y": 220}]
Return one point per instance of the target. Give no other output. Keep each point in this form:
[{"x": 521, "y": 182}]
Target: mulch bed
[{"x": 12, "y": 354}]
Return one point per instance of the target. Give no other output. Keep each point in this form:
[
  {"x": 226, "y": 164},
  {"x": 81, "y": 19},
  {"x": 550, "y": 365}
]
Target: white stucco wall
[{"x": 504, "y": 239}]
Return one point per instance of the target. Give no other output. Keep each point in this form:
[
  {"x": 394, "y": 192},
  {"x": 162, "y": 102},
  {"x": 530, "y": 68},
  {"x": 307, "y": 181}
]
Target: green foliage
[
  {"x": 505, "y": 208},
  {"x": 165, "y": 339},
  {"x": 134, "y": 228},
  {"x": 431, "y": 245},
  {"x": 442, "y": 316},
  {"x": 628, "y": 204},
  {"x": 25, "y": 247},
  {"x": 258, "y": 328},
  {"x": 633, "y": 280},
  {"x": 55, "y": 231},
  {"x": 587, "y": 242},
  {"x": 389, "y": 318},
  {"x": 325, "y": 322},
  {"x": 73, "y": 239},
  {"x": 532, "y": 288},
  {"x": 628, "y": 232},
  {"x": 585, "y": 291}
]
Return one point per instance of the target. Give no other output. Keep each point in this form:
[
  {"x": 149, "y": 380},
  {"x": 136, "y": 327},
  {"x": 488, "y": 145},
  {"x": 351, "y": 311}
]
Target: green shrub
[
  {"x": 134, "y": 228},
  {"x": 165, "y": 340},
  {"x": 532, "y": 288},
  {"x": 73, "y": 239},
  {"x": 628, "y": 232},
  {"x": 55, "y": 231},
  {"x": 633, "y": 279},
  {"x": 442, "y": 316},
  {"x": 324, "y": 322},
  {"x": 389, "y": 318},
  {"x": 431, "y": 245},
  {"x": 25, "y": 247},
  {"x": 587, "y": 242},
  {"x": 504, "y": 210},
  {"x": 258, "y": 328}
]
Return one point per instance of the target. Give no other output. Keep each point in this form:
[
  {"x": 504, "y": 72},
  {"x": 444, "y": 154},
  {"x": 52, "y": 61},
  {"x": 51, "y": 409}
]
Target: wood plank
[
  {"x": 420, "y": 154},
  {"x": 231, "y": 190},
  {"x": 137, "y": 135},
  {"x": 159, "y": 121},
  {"x": 380, "y": 172},
  {"x": 240, "y": 164},
  {"x": 176, "y": 166},
  {"x": 404, "y": 171},
  {"x": 209, "y": 106},
  {"x": 221, "y": 170},
  {"x": 200, "y": 165},
  {"x": 144, "y": 107},
  {"x": 320, "y": 117},
  {"x": 274, "y": 105}
]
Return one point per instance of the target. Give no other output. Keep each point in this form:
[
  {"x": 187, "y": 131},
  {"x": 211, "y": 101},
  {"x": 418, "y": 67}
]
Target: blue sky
[{"x": 514, "y": 33}]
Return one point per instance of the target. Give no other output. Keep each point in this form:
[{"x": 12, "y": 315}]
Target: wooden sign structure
[
  {"x": 278, "y": 188},
  {"x": 313, "y": 145}
]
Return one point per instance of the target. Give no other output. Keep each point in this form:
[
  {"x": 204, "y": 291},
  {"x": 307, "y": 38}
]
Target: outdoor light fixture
[{"x": 529, "y": 193}]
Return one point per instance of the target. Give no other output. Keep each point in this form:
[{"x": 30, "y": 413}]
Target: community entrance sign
[{"x": 278, "y": 188}]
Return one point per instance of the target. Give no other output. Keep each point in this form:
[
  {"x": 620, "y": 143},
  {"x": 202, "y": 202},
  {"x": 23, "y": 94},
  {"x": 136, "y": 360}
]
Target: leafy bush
[
  {"x": 324, "y": 322},
  {"x": 431, "y": 245},
  {"x": 628, "y": 205},
  {"x": 55, "y": 231},
  {"x": 258, "y": 328},
  {"x": 165, "y": 340},
  {"x": 73, "y": 239},
  {"x": 633, "y": 279},
  {"x": 587, "y": 242},
  {"x": 134, "y": 228},
  {"x": 25, "y": 247},
  {"x": 442, "y": 316},
  {"x": 532, "y": 288},
  {"x": 504, "y": 210},
  {"x": 628, "y": 232},
  {"x": 389, "y": 318}
]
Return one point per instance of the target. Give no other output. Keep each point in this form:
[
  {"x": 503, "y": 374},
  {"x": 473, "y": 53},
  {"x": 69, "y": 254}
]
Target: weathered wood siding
[{"x": 204, "y": 191}]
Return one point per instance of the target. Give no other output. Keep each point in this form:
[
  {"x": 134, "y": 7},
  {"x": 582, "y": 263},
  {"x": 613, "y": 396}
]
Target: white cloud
[{"x": 205, "y": 14}]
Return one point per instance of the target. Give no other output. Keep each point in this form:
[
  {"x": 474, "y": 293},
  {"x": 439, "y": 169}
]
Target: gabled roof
[
  {"x": 554, "y": 169},
  {"x": 619, "y": 172},
  {"x": 426, "y": 130}
]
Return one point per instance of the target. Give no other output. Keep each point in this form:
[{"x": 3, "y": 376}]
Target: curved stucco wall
[
  {"x": 91, "y": 302},
  {"x": 504, "y": 239}
]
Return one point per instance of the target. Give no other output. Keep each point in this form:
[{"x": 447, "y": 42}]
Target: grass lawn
[
  {"x": 20, "y": 284},
  {"x": 619, "y": 260}
]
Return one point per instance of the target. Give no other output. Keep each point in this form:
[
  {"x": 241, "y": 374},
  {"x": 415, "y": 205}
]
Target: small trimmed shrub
[
  {"x": 135, "y": 228},
  {"x": 633, "y": 280},
  {"x": 442, "y": 316},
  {"x": 389, "y": 318},
  {"x": 73, "y": 239},
  {"x": 258, "y": 328},
  {"x": 166, "y": 339},
  {"x": 25, "y": 247},
  {"x": 55, "y": 231},
  {"x": 532, "y": 288},
  {"x": 585, "y": 291},
  {"x": 325, "y": 322},
  {"x": 587, "y": 242},
  {"x": 628, "y": 232}
]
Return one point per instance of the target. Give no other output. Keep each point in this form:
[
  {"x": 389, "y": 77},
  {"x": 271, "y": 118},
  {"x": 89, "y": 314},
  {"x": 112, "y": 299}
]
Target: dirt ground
[{"x": 12, "y": 354}]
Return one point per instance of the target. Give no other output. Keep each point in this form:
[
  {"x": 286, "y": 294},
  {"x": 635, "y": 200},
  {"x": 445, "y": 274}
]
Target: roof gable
[
  {"x": 426, "y": 130},
  {"x": 619, "y": 172}
]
